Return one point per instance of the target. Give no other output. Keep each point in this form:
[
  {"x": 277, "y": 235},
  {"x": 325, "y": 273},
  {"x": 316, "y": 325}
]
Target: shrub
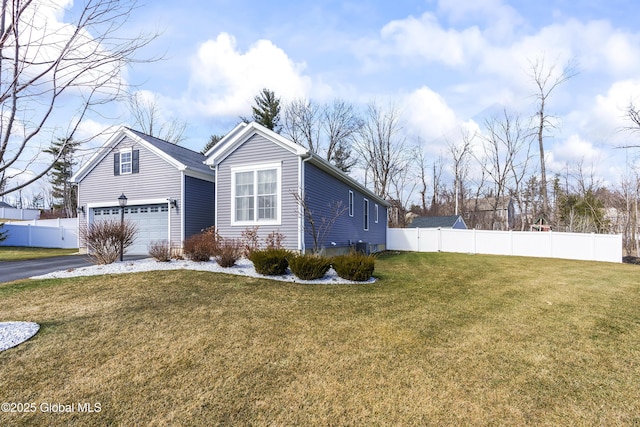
[
  {"x": 3, "y": 234},
  {"x": 250, "y": 241},
  {"x": 355, "y": 266},
  {"x": 309, "y": 267},
  {"x": 200, "y": 247},
  {"x": 274, "y": 240},
  {"x": 103, "y": 239},
  {"x": 270, "y": 262},
  {"x": 229, "y": 251},
  {"x": 213, "y": 235},
  {"x": 160, "y": 251}
]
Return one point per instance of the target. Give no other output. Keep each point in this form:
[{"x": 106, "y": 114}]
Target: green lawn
[
  {"x": 439, "y": 339},
  {"x": 19, "y": 253}
]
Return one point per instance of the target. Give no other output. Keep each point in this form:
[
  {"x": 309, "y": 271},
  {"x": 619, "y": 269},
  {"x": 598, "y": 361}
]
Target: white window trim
[
  {"x": 255, "y": 168},
  {"x": 351, "y": 203},
  {"x": 375, "y": 209},
  {"x": 130, "y": 162},
  {"x": 365, "y": 214}
]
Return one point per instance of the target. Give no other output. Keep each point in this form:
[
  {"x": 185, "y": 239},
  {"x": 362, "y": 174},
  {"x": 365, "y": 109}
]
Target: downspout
[
  {"x": 181, "y": 206},
  {"x": 307, "y": 156}
]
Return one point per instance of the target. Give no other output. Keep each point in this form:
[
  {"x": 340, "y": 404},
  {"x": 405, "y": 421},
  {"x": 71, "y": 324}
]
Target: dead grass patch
[
  {"x": 19, "y": 253},
  {"x": 439, "y": 339}
]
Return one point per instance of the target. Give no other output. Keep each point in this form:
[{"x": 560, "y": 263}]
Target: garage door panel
[{"x": 152, "y": 223}]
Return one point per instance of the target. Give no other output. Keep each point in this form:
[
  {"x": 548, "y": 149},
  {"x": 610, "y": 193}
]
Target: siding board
[
  {"x": 198, "y": 205},
  {"x": 254, "y": 151},
  {"x": 157, "y": 179},
  {"x": 321, "y": 192}
]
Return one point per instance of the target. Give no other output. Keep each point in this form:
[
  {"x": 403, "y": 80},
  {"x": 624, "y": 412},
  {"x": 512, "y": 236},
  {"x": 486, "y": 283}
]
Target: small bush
[
  {"x": 176, "y": 253},
  {"x": 229, "y": 251},
  {"x": 270, "y": 262},
  {"x": 309, "y": 267},
  {"x": 355, "y": 266},
  {"x": 274, "y": 240},
  {"x": 103, "y": 239},
  {"x": 250, "y": 241},
  {"x": 160, "y": 251},
  {"x": 214, "y": 236},
  {"x": 200, "y": 247},
  {"x": 3, "y": 234}
]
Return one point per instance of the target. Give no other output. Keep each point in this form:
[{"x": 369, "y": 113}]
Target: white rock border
[
  {"x": 243, "y": 267},
  {"x": 14, "y": 333}
]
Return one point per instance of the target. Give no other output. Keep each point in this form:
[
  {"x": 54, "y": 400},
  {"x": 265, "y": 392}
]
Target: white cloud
[
  {"x": 610, "y": 109},
  {"x": 428, "y": 114},
  {"x": 425, "y": 38},
  {"x": 224, "y": 80},
  {"x": 576, "y": 149},
  {"x": 499, "y": 19}
]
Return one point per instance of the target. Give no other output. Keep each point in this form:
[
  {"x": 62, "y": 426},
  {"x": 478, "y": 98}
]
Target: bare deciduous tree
[
  {"x": 460, "y": 152},
  {"x": 382, "y": 147},
  {"x": 147, "y": 117},
  {"x": 326, "y": 129},
  {"x": 44, "y": 63},
  {"x": 502, "y": 146},
  {"x": 318, "y": 227},
  {"x": 546, "y": 80}
]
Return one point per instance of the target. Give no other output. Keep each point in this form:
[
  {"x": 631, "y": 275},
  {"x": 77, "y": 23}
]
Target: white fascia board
[
  {"x": 100, "y": 154},
  {"x": 227, "y": 147},
  {"x": 130, "y": 203},
  {"x": 198, "y": 174},
  {"x": 225, "y": 138}
]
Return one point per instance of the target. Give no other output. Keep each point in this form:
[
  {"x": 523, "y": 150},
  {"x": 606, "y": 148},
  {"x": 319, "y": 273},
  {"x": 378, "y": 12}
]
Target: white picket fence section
[
  {"x": 47, "y": 233},
  {"x": 21, "y": 214},
  {"x": 579, "y": 246}
]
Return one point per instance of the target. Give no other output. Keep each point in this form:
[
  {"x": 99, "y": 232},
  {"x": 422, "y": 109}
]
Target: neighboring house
[
  {"x": 169, "y": 189},
  {"x": 5, "y": 205},
  {"x": 450, "y": 221},
  {"x": 253, "y": 177},
  {"x": 490, "y": 213},
  {"x": 260, "y": 178}
]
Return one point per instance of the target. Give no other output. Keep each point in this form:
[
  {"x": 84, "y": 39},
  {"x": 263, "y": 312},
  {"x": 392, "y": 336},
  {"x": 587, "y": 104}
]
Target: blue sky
[{"x": 445, "y": 63}]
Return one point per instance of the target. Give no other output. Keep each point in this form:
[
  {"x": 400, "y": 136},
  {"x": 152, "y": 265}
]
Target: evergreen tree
[
  {"x": 213, "y": 140},
  {"x": 267, "y": 110},
  {"x": 65, "y": 195}
]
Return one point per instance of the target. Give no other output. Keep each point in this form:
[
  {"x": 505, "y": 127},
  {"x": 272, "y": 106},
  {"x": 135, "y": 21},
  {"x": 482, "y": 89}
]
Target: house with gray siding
[
  {"x": 169, "y": 189},
  {"x": 253, "y": 178},
  {"x": 265, "y": 180}
]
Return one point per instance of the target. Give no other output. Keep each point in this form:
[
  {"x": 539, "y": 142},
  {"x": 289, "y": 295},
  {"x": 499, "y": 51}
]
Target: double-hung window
[
  {"x": 256, "y": 194},
  {"x": 365, "y": 208},
  {"x": 125, "y": 162}
]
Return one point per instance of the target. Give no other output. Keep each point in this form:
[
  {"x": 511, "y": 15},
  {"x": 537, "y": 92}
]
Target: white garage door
[{"x": 152, "y": 222}]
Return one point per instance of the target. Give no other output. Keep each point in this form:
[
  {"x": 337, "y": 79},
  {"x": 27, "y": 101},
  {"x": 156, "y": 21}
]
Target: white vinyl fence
[
  {"x": 22, "y": 214},
  {"x": 49, "y": 233},
  {"x": 590, "y": 247}
]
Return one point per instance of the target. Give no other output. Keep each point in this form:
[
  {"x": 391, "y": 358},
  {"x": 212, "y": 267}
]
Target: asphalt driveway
[{"x": 15, "y": 270}]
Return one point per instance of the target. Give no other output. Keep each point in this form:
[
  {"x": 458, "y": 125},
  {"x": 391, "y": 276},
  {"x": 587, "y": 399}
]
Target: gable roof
[
  {"x": 188, "y": 158},
  {"x": 5, "y": 205},
  {"x": 436, "y": 221},
  {"x": 244, "y": 131},
  {"x": 181, "y": 158},
  {"x": 487, "y": 203}
]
